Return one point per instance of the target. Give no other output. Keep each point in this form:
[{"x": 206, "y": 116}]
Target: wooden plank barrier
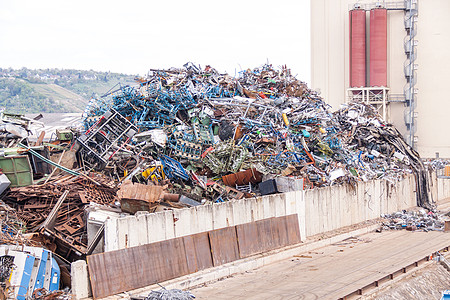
[{"x": 136, "y": 267}]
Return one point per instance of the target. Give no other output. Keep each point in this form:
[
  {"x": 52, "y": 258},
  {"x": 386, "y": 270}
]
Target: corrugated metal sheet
[{"x": 137, "y": 191}]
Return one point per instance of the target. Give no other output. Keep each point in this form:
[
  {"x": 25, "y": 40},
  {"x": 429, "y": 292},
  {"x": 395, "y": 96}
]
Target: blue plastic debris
[{"x": 445, "y": 295}]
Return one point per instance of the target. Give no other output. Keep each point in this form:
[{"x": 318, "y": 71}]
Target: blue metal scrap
[
  {"x": 292, "y": 122},
  {"x": 172, "y": 168}
]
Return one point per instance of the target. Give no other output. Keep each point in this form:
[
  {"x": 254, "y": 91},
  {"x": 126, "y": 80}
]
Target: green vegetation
[
  {"x": 54, "y": 90},
  {"x": 19, "y": 97}
]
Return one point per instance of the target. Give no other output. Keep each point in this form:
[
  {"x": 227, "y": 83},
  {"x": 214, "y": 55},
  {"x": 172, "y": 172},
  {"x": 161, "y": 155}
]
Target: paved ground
[
  {"x": 332, "y": 271},
  {"x": 53, "y": 121}
]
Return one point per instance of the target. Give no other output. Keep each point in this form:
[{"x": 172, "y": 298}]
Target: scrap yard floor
[{"x": 333, "y": 271}]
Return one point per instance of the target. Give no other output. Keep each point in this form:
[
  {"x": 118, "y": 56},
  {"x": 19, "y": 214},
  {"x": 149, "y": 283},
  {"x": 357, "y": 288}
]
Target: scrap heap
[
  {"x": 420, "y": 220},
  {"x": 184, "y": 137},
  {"x": 217, "y": 137},
  {"x": 55, "y": 210}
]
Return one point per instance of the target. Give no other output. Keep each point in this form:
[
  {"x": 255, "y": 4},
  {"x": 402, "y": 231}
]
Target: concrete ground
[
  {"x": 330, "y": 272},
  {"x": 53, "y": 121}
]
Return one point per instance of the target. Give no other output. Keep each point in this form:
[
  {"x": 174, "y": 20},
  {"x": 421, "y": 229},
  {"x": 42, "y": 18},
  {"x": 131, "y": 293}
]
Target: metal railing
[
  {"x": 376, "y": 96},
  {"x": 389, "y": 5}
]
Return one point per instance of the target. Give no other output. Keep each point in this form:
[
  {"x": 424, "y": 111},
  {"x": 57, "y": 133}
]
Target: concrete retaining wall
[
  {"x": 440, "y": 187},
  {"x": 319, "y": 211},
  {"x": 443, "y": 188}
]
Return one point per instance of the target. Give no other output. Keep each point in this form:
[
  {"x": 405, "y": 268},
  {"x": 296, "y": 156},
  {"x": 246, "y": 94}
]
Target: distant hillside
[{"x": 54, "y": 90}]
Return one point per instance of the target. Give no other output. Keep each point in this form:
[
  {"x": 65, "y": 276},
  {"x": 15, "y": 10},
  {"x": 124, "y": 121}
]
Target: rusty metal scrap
[
  {"x": 43, "y": 294},
  {"x": 136, "y": 197},
  {"x": 165, "y": 294},
  {"x": 13, "y": 228},
  {"x": 214, "y": 125},
  {"x": 187, "y": 136},
  {"x": 149, "y": 193},
  {"x": 65, "y": 230},
  {"x": 242, "y": 178}
]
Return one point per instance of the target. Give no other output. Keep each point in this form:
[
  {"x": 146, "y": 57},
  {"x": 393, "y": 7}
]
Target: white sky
[{"x": 134, "y": 36}]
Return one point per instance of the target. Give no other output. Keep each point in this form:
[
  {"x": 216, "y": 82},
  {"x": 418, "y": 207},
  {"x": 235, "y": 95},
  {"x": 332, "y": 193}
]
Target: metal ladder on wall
[{"x": 409, "y": 90}]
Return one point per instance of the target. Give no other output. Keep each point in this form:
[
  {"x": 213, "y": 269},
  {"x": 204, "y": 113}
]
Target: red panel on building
[
  {"x": 357, "y": 48},
  {"x": 378, "y": 47}
]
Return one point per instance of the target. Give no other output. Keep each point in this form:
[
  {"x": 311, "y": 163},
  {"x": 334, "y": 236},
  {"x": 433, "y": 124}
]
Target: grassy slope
[
  {"x": 23, "y": 93},
  {"x": 71, "y": 101}
]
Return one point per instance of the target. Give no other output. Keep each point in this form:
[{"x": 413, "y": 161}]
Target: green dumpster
[{"x": 17, "y": 169}]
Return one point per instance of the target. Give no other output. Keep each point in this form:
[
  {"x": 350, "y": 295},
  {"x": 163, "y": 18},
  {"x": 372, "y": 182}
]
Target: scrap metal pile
[
  {"x": 216, "y": 137},
  {"x": 12, "y": 227},
  {"x": 55, "y": 210},
  {"x": 184, "y": 137},
  {"x": 173, "y": 294},
  {"x": 420, "y": 220}
]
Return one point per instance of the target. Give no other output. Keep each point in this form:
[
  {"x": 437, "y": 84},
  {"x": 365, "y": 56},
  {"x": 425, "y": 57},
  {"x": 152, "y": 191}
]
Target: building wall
[
  {"x": 329, "y": 44},
  {"x": 433, "y": 105},
  {"x": 330, "y": 65}
]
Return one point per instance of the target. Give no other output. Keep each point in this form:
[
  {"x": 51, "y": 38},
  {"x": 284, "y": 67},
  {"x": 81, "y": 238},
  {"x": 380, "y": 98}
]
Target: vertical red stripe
[
  {"x": 378, "y": 47},
  {"x": 357, "y": 48}
]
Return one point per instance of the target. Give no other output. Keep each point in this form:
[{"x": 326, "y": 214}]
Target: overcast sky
[{"x": 134, "y": 36}]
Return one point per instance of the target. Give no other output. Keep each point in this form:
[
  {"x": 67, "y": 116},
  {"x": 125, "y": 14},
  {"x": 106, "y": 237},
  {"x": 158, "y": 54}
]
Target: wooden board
[
  {"x": 172, "y": 259},
  {"x": 127, "y": 269},
  {"x": 191, "y": 255},
  {"x": 279, "y": 233},
  {"x": 103, "y": 281},
  {"x": 267, "y": 234},
  {"x": 248, "y": 239},
  {"x": 198, "y": 252},
  {"x": 224, "y": 245},
  {"x": 293, "y": 229}
]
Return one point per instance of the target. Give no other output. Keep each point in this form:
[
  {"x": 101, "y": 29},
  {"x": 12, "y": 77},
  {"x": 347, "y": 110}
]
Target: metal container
[
  {"x": 378, "y": 47},
  {"x": 357, "y": 48},
  {"x": 242, "y": 178},
  {"x": 17, "y": 169}
]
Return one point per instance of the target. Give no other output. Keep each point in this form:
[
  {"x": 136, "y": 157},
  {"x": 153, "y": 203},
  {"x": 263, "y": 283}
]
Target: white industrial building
[{"x": 414, "y": 96}]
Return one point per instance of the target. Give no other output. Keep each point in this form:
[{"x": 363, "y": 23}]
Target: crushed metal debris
[
  {"x": 420, "y": 220},
  {"x": 173, "y": 294},
  {"x": 188, "y": 136}
]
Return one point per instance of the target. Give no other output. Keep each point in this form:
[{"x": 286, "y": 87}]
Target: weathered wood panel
[
  {"x": 131, "y": 268},
  {"x": 268, "y": 234},
  {"x": 224, "y": 247},
  {"x": 293, "y": 229},
  {"x": 127, "y": 269},
  {"x": 248, "y": 239},
  {"x": 279, "y": 233},
  {"x": 265, "y": 234},
  {"x": 198, "y": 252}
]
